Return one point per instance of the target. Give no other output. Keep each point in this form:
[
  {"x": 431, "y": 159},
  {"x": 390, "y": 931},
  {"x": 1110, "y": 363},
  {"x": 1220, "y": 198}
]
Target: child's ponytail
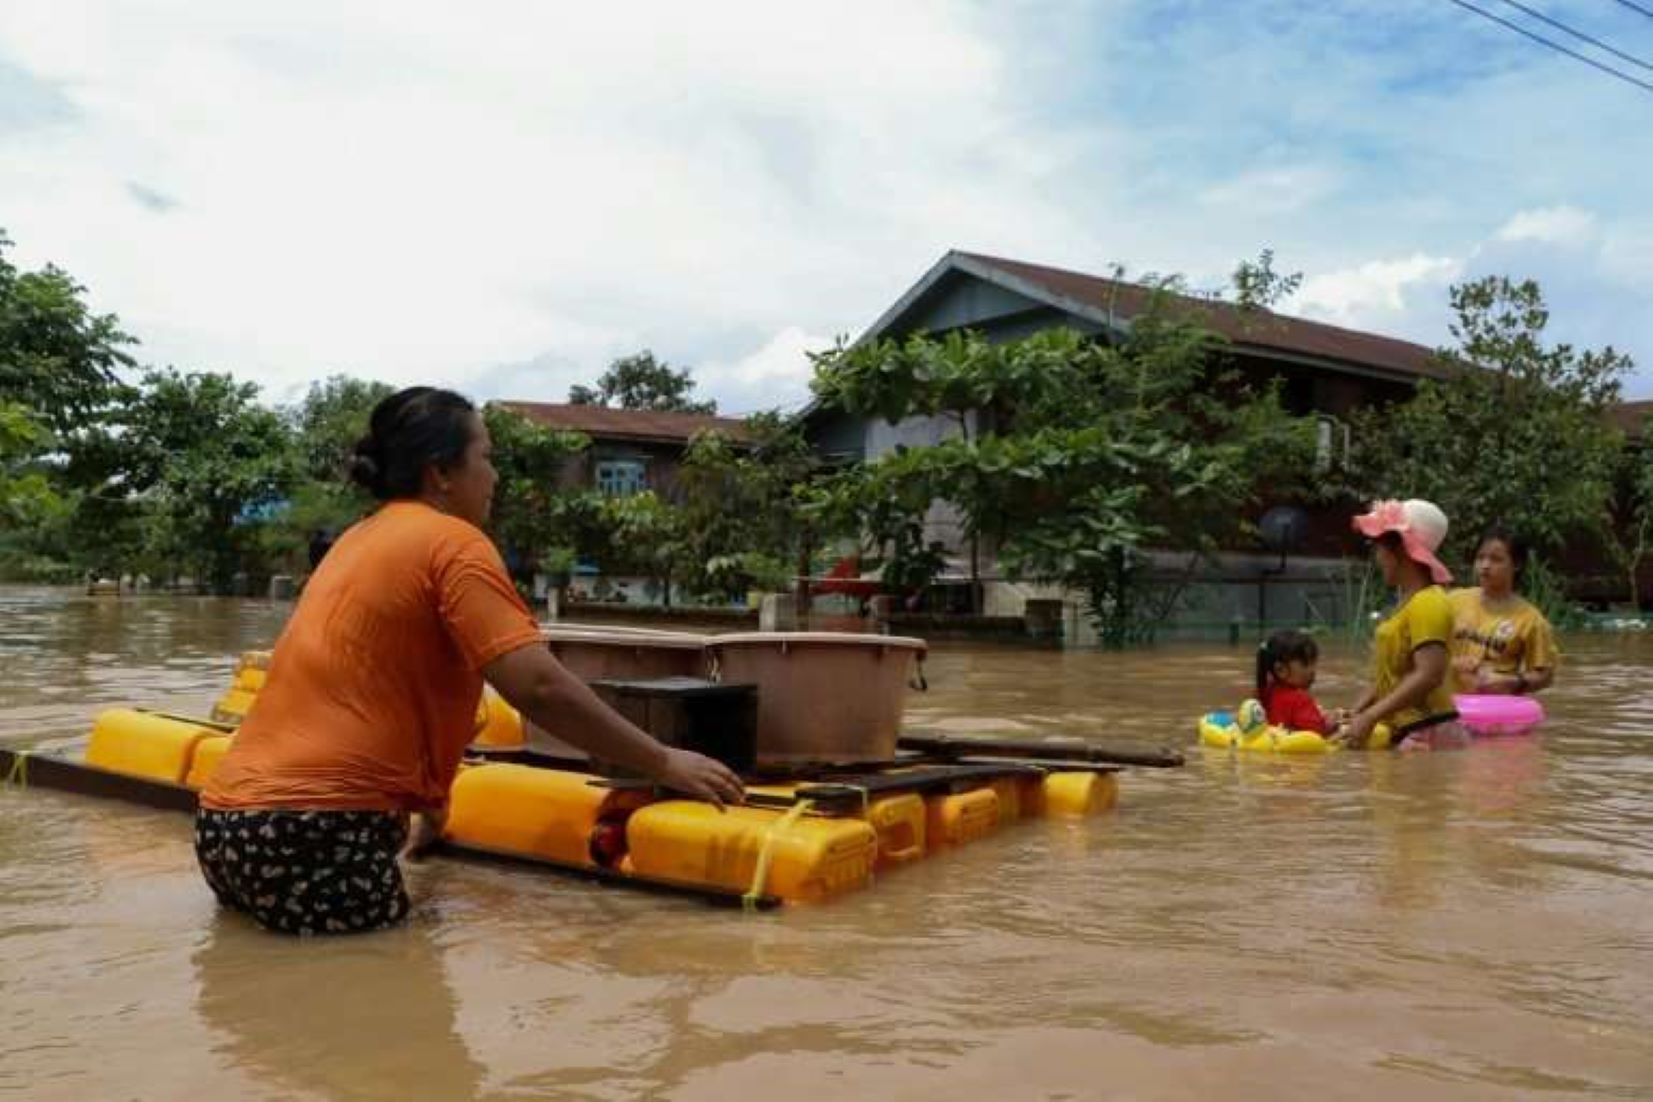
[
  {"x": 1265, "y": 666},
  {"x": 1283, "y": 646}
]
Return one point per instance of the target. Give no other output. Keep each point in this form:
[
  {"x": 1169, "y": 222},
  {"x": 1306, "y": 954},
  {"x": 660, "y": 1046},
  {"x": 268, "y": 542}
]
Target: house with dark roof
[
  {"x": 631, "y": 449},
  {"x": 1324, "y": 371}
]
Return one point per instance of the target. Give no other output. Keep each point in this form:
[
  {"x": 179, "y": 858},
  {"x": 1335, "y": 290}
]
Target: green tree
[
  {"x": 744, "y": 505},
  {"x": 642, "y": 382},
  {"x": 648, "y": 537},
  {"x": 208, "y": 463},
  {"x": 27, "y": 496},
  {"x": 325, "y": 426},
  {"x": 534, "y": 510},
  {"x": 58, "y": 359},
  {"x": 1629, "y": 526},
  {"x": 1074, "y": 456},
  {"x": 1515, "y": 431}
]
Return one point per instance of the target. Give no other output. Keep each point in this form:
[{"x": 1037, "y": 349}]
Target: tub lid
[{"x": 830, "y": 638}]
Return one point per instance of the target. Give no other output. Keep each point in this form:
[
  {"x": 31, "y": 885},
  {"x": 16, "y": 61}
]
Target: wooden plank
[
  {"x": 60, "y": 774},
  {"x": 1057, "y": 750}
]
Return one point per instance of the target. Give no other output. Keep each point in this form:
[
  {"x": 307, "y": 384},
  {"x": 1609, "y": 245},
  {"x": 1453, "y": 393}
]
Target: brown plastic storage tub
[
  {"x": 595, "y": 653},
  {"x": 822, "y": 696},
  {"x": 626, "y": 654}
]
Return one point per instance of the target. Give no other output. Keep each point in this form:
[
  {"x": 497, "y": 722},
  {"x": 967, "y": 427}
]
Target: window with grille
[{"x": 620, "y": 477}]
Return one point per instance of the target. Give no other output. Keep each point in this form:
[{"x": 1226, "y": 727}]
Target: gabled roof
[
  {"x": 645, "y": 426},
  {"x": 1111, "y": 304}
]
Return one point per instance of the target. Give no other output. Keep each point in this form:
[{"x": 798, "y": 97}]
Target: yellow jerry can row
[
  {"x": 208, "y": 753},
  {"x": 142, "y": 744},
  {"x": 897, "y": 819},
  {"x": 1020, "y": 797},
  {"x": 1074, "y": 795},
  {"x": 799, "y": 858},
  {"x": 539, "y": 812},
  {"x": 497, "y": 723},
  {"x": 233, "y": 706},
  {"x": 250, "y": 679},
  {"x": 960, "y": 817}
]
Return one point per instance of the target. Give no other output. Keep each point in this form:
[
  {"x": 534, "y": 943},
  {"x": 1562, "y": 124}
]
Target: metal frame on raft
[{"x": 810, "y": 830}]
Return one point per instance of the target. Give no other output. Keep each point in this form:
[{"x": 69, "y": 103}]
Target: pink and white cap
[{"x": 1421, "y": 526}]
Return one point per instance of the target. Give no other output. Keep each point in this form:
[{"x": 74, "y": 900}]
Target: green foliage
[
  {"x": 558, "y": 564},
  {"x": 1628, "y": 527},
  {"x": 1480, "y": 442},
  {"x": 27, "y": 496},
  {"x": 1083, "y": 454},
  {"x": 732, "y": 575},
  {"x": 744, "y": 506},
  {"x": 205, "y": 459},
  {"x": 534, "y": 510},
  {"x": 648, "y": 536},
  {"x": 324, "y": 427},
  {"x": 57, "y": 358},
  {"x": 1257, "y": 286},
  {"x": 1544, "y": 586},
  {"x": 640, "y": 381}
]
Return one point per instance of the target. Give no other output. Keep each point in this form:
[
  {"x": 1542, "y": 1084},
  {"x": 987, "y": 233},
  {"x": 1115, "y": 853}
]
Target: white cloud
[
  {"x": 430, "y": 196},
  {"x": 1275, "y": 190},
  {"x": 1366, "y": 294},
  {"x": 776, "y": 374},
  {"x": 1594, "y": 274},
  {"x": 507, "y": 198},
  {"x": 1552, "y": 225}
]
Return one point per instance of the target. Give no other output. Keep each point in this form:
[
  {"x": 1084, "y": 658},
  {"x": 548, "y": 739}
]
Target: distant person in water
[
  {"x": 321, "y": 541},
  {"x": 1285, "y": 672},
  {"x": 348, "y": 754},
  {"x": 1410, "y": 696},
  {"x": 1501, "y": 643}
]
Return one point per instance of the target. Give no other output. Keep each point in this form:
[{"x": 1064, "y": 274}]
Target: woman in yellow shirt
[
  {"x": 1410, "y": 694},
  {"x": 1500, "y": 642}
]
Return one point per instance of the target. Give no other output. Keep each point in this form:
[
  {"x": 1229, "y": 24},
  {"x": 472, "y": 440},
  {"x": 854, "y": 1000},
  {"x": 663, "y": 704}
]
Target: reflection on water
[
  {"x": 372, "y": 1017},
  {"x": 1455, "y": 925}
]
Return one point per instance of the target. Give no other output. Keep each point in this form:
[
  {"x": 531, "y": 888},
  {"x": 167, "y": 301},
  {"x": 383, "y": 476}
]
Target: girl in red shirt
[{"x": 1285, "y": 672}]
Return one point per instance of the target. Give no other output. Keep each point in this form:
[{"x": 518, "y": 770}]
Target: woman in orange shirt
[{"x": 353, "y": 743}]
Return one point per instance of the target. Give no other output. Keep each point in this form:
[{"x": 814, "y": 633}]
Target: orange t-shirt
[{"x": 372, "y": 690}]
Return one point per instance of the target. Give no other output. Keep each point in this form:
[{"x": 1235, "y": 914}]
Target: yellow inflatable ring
[{"x": 1219, "y": 731}]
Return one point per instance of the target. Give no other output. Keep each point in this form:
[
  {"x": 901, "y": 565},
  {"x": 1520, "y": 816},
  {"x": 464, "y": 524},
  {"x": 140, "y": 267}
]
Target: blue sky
[{"x": 504, "y": 197}]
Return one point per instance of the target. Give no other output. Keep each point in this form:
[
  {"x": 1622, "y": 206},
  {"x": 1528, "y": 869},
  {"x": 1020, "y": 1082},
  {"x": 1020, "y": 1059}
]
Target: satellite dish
[{"x": 1283, "y": 528}]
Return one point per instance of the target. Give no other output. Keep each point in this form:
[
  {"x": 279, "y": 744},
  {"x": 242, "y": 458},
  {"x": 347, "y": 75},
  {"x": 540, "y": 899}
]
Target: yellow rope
[
  {"x": 760, "y": 874},
  {"x": 19, "y": 772}
]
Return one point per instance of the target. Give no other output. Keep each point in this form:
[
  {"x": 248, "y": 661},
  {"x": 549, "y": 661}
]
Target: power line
[
  {"x": 1637, "y": 7},
  {"x": 1580, "y": 35},
  {"x": 1558, "y": 47}
]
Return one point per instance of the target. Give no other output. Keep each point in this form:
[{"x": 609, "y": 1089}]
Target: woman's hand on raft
[{"x": 701, "y": 777}]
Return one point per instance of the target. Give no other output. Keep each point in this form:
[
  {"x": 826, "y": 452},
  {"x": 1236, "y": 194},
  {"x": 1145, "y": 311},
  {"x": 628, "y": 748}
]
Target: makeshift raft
[{"x": 806, "y": 835}]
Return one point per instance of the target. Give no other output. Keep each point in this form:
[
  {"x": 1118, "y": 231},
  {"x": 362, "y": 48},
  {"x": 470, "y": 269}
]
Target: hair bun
[{"x": 366, "y": 465}]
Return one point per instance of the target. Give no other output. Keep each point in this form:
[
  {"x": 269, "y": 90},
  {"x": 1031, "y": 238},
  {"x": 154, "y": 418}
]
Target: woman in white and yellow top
[{"x": 1501, "y": 643}]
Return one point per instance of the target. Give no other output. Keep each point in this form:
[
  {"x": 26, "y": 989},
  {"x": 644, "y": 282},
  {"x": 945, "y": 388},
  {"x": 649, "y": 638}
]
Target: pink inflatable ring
[{"x": 1499, "y": 715}]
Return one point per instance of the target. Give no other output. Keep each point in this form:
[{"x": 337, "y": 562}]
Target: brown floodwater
[{"x": 1453, "y": 925}]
